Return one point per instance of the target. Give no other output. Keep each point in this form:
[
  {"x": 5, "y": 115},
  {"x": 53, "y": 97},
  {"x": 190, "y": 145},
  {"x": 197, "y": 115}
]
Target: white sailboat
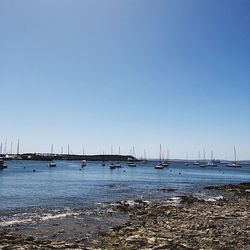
[
  {"x": 83, "y": 163},
  {"x": 212, "y": 163},
  {"x": 159, "y": 165},
  {"x": 145, "y": 158},
  {"x": 234, "y": 163},
  {"x": 197, "y": 163},
  {"x": 53, "y": 162},
  {"x": 203, "y": 164},
  {"x": 131, "y": 162},
  {"x": 118, "y": 165},
  {"x": 164, "y": 162},
  {"x": 103, "y": 162}
]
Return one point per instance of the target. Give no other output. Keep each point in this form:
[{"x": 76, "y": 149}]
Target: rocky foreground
[{"x": 184, "y": 223}]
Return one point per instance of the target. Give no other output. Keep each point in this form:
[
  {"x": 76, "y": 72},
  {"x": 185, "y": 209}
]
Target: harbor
[{"x": 184, "y": 207}]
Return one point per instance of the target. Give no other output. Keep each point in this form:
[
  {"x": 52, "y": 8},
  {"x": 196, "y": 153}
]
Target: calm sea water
[{"x": 67, "y": 186}]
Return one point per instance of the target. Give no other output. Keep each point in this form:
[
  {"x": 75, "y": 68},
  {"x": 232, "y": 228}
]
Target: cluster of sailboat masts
[{"x": 164, "y": 163}]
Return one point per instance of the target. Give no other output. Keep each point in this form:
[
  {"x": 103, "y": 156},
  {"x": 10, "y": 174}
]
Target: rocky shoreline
[{"x": 180, "y": 223}]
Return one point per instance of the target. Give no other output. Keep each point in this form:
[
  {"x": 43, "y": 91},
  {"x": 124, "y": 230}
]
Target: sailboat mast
[
  {"x": 18, "y": 148},
  {"x": 234, "y": 154},
  {"x": 52, "y": 149},
  {"x": 160, "y": 152}
]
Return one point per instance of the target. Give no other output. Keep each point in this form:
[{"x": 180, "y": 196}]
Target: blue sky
[{"x": 126, "y": 73}]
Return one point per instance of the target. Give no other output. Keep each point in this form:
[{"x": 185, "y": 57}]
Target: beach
[{"x": 183, "y": 222}]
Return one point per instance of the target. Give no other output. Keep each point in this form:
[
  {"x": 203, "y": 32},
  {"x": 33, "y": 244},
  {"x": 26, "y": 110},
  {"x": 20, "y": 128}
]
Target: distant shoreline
[{"x": 49, "y": 157}]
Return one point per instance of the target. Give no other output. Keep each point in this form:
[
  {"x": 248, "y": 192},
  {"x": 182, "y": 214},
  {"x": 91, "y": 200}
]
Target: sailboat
[
  {"x": 203, "y": 164},
  {"x": 198, "y": 162},
  {"x": 211, "y": 163},
  {"x": 145, "y": 158},
  {"x": 53, "y": 162},
  {"x": 103, "y": 162},
  {"x": 112, "y": 166},
  {"x": 165, "y": 163},
  {"x": 159, "y": 165},
  {"x": 83, "y": 163},
  {"x": 234, "y": 163},
  {"x": 118, "y": 165},
  {"x": 131, "y": 162},
  {"x": 186, "y": 163}
]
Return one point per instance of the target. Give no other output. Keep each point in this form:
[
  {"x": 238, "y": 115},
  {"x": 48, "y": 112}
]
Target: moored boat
[
  {"x": 83, "y": 163},
  {"x": 160, "y": 164},
  {"x": 52, "y": 163},
  {"x": 234, "y": 164},
  {"x": 118, "y": 165},
  {"x": 112, "y": 166}
]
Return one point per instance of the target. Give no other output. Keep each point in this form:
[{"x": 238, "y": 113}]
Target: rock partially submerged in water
[
  {"x": 166, "y": 190},
  {"x": 242, "y": 189}
]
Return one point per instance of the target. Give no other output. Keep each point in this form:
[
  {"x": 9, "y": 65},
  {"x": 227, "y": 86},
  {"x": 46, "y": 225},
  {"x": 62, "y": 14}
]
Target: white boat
[
  {"x": 198, "y": 162},
  {"x": 165, "y": 164},
  {"x": 203, "y": 163},
  {"x": 234, "y": 163},
  {"x": 159, "y": 165},
  {"x": 131, "y": 164},
  {"x": 118, "y": 165},
  {"x": 211, "y": 163},
  {"x": 84, "y": 163},
  {"x": 144, "y": 161},
  {"x": 52, "y": 163},
  {"x": 130, "y": 161}
]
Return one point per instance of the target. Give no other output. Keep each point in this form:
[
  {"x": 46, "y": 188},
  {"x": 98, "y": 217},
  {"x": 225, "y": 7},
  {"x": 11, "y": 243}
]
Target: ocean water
[{"x": 69, "y": 186}]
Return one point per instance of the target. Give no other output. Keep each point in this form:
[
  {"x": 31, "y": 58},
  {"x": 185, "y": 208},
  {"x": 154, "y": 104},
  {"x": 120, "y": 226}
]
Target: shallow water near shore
[{"x": 68, "y": 186}]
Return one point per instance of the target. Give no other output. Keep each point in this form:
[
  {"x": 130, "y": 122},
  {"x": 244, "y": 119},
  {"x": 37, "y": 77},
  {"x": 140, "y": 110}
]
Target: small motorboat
[{"x": 103, "y": 164}]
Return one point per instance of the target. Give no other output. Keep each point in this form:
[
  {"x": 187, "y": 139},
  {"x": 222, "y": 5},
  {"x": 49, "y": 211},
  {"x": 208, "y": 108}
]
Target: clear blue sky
[{"x": 124, "y": 73}]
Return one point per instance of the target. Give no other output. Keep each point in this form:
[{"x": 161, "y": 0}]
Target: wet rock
[{"x": 166, "y": 190}]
